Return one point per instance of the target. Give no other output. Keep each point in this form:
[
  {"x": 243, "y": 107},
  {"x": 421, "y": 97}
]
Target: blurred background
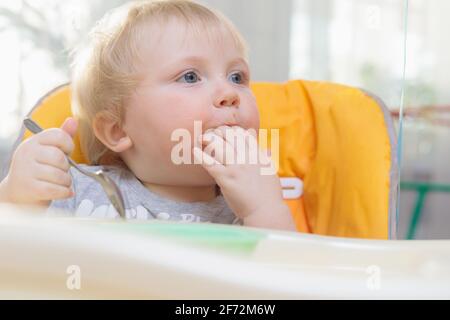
[{"x": 354, "y": 42}]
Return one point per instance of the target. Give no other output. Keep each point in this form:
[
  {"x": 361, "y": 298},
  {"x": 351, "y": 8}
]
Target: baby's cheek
[
  {"x": 252, "y": 116},
  {"x": 255, "y": 120},
  {"x": 182, "y": 135}
]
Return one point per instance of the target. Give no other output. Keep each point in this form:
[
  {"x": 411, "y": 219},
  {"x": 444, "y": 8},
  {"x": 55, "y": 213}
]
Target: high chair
[{"x": 337, "y": 160}]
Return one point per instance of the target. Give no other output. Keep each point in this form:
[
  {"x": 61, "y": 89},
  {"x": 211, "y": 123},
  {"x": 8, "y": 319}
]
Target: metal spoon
[{"x": 108, "y": 185}]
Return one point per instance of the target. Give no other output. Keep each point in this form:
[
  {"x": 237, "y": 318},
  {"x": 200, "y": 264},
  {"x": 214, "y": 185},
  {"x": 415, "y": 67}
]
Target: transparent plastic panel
[{"x": 425, "y": 187}]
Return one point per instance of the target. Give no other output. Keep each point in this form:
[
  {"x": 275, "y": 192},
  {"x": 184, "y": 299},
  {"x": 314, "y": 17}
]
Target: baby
[{"x": 151, "y": 69}]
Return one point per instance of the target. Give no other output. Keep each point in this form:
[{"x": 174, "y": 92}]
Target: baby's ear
[{"x": 110, "y": 133}]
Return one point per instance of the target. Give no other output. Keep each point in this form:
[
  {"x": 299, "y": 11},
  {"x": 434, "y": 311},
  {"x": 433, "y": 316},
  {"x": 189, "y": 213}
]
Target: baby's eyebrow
[
  {"x": 202, "y": 61},
  {"x": 191, "y": 60},
  {"x": 239, "y": 61}
]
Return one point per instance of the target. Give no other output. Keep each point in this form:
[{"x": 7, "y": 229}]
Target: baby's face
[{"x": 189, "y": 77}]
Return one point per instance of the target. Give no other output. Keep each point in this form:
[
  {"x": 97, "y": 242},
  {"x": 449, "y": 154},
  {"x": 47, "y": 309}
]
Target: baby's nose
[
  {"x": 227, "y": 97},
  {"x": 231, "y": 101}
]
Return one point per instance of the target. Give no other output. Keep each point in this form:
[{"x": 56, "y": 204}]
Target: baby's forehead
[{"x": 178, "y": 34}]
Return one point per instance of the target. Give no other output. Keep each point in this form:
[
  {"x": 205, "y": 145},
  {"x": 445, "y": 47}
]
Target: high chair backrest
[{"x": 337, "y": 153}]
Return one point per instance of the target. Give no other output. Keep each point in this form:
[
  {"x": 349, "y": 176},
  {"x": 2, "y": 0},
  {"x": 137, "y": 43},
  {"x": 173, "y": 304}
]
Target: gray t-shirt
[{"x": 90, "y": 201}]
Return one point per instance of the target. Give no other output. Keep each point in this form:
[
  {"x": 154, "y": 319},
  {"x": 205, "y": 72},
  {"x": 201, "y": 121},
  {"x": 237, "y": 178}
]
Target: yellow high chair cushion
[
  {"x": 340, "y": 141},
  {"x": 51, "y": 111},
  {"x": 337, "y": 153}
]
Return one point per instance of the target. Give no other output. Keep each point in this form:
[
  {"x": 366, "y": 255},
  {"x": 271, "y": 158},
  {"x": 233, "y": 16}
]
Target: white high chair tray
[{"x": 40, "y": 256}]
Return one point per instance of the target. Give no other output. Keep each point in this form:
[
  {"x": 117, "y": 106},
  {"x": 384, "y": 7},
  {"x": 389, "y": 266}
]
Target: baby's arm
[
  {"x": 275, "y": 217},
  {"x": 39, "y": 170},
  {"x": 254, "y": 197}
]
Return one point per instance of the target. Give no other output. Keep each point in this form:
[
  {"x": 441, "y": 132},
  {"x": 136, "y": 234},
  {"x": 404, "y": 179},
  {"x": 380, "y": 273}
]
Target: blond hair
[{"x": 106, "y": 71}]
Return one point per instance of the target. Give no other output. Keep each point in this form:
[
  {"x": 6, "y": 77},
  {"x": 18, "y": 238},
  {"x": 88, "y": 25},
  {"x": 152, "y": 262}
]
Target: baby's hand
[
  {"x": 39, "y": 167},
  {"x": 253, "y": 196}
]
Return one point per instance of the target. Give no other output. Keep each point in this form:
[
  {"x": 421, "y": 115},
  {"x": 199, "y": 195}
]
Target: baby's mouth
[
  {"x": 221, "y": 127},
  {"x": 228, "y": 125}
]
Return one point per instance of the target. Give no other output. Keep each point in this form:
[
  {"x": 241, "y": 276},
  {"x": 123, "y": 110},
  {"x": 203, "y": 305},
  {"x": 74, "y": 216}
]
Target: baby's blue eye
[
  {"x": 237, "y": 77},
  {"x": 189, "y": 77}
]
